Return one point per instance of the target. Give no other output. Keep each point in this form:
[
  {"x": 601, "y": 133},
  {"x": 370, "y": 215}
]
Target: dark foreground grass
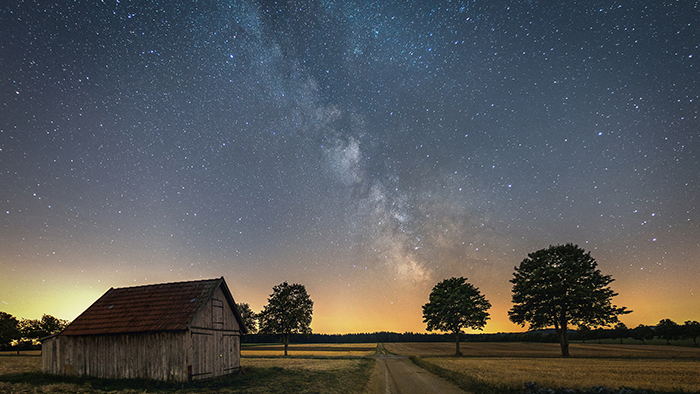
[{"x": 251, "y": 380}]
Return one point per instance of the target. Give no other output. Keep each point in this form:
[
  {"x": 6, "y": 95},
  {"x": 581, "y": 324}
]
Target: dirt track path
[{"x": 398, "y": 375}]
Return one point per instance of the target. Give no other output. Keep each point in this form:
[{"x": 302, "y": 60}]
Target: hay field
[
  {"x": 543, "y": 350},
  {"x": 12, "y": 363},
  {"x": 310, "y": 364},
  {"x": 509, "y": 366},
  {"x": 312, "y": 350},
  {"x": 578, "y": 373}
]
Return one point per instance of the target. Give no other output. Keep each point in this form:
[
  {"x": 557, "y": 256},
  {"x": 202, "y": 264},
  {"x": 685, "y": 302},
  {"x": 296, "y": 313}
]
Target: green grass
[{"x": 351, "y": 377}]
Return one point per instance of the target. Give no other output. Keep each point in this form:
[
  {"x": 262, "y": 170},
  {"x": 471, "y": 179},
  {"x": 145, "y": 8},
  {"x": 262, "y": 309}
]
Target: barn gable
[{"x": 172, "y": 331}]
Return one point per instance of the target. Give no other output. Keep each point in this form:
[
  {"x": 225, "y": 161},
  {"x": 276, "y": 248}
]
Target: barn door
[
  {"x": 202, "y": 352},
  {"x": 229, "y": 347}
]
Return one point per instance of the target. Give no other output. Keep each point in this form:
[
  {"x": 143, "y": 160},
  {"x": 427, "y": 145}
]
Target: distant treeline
[
  {"x": 539, "y": 336},
  {"x": 666, "y": 330},
  {"x": 384, "y": 336}
]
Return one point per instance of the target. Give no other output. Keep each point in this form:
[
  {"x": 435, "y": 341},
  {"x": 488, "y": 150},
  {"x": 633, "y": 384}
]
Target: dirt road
[{"x": 398, "y": 375}]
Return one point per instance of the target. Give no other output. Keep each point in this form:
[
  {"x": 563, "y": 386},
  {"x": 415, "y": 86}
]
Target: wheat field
[
  {"x": 511, "y": 365},
  {"x": 313, "y": 350},
  {"x": 653, "y": 374}
]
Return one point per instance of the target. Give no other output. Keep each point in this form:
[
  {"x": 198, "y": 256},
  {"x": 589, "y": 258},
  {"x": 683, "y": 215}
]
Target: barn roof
[{"x": 159, "y": 307}]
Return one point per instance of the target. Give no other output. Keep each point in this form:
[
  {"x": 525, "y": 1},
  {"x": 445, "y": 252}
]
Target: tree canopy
[
  {"x": 668, "y": 329},
  {"x": 561, "y": 286},
  {"x": 288, "y": 311},
  {"x": 250, "y": 319},
  {"x": 642, "y": 333},
  {"x": 455, "y": 304},
  {"x": 13, "y": 331},
  {"x": 691, "y": 330},
  {"x": 9, "y": 329},
  {"x": 39, "y": 328}
]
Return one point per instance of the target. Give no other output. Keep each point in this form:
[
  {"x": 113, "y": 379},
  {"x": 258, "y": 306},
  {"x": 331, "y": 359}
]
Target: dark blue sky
[{"x": 365, "y": 149}]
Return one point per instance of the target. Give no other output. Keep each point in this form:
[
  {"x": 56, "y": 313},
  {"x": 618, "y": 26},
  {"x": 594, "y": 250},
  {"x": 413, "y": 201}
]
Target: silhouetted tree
[
  {"x": 9, "y": 329},
  {"x": 642, "y": 333},
  {"x": 601, "y": 333},
  {"x": 584, "y": 332},
  {"x": 561, "y": 286},
  {"x": 455, "y": 304},
  {"x": 39, "y": 328},
  {"x": 250, "y": 319},
  {"x": 620, "y": 331},
  {"x": 691, "y": 330},
  {"x": 288, "y": 311},
  {"x": 668, "y": 329}
]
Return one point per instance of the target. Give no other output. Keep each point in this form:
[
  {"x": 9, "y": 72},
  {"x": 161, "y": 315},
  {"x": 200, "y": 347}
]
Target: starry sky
[{"x": 365, "y": 149}]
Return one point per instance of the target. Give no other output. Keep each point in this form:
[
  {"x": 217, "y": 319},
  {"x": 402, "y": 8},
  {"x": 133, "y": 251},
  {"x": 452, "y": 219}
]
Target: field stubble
[
  {"x": 660, "y": 368},
  {"x": 321, "y": 350}
]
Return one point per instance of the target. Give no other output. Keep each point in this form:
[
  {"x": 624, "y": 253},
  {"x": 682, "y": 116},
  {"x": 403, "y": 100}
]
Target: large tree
[
  {"x": 455, "y": 304},
  {"x": 288, "y": 311},
  {"x": 562, "y": 286}
]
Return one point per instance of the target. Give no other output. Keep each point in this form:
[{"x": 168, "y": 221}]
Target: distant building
[{"x": 172, "y": 331}]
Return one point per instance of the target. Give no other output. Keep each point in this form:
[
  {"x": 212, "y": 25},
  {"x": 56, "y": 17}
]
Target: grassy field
[
  {"x": 506, "y": 367},
  {"x": 262, "y": 375},
  {"x": 343, "y": 368},
  {"x": 315, "y": 350},
  {"x": 539, "y": 350}
]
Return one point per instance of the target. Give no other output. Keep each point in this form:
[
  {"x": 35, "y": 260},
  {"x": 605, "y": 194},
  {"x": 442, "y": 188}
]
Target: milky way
[{"x": 365, "y": 149}]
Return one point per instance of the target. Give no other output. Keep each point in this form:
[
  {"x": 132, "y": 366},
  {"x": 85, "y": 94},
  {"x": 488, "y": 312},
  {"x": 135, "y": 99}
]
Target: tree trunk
[
  {"x": 457, "y": 352},
  {"x": 285, "y": 338},
  {"x": 564, "y": 342},
  {"x": 561, "y": 331}
]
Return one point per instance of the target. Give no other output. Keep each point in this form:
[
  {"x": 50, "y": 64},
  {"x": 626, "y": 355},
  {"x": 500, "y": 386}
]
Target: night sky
[{"x": 367, "y": 150}]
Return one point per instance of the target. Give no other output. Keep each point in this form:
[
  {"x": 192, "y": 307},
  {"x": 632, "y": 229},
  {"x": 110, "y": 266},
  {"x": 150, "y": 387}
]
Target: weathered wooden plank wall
[
  {"x": 161, "y": 356},
  {"x": 216, "y": 339}
]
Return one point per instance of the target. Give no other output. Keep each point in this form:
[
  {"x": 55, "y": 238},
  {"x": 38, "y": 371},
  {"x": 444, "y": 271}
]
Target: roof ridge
[{"x": 167, "y": 283}]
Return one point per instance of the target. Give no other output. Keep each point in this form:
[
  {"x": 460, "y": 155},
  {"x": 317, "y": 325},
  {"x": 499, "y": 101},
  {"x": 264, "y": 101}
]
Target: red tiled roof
[{"x": 161, "y": 307}]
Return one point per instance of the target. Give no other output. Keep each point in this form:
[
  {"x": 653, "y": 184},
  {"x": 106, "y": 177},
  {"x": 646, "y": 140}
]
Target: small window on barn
[{"x": 217, "y": 313}]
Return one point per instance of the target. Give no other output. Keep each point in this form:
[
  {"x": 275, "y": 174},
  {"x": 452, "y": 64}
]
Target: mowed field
[
  {"x": 308, "y": 369},
  {"x": 310, "y": 350},
  {"x": 511, "y": 365},
  {"x": 344, "y": 368}
]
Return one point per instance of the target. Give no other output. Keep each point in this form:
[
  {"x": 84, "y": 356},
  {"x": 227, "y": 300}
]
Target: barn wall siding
[{"x": 161, "y": 356}]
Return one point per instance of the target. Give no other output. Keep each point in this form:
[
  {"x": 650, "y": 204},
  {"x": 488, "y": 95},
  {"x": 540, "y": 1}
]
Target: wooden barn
[{"x": 172, "y": 331}]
